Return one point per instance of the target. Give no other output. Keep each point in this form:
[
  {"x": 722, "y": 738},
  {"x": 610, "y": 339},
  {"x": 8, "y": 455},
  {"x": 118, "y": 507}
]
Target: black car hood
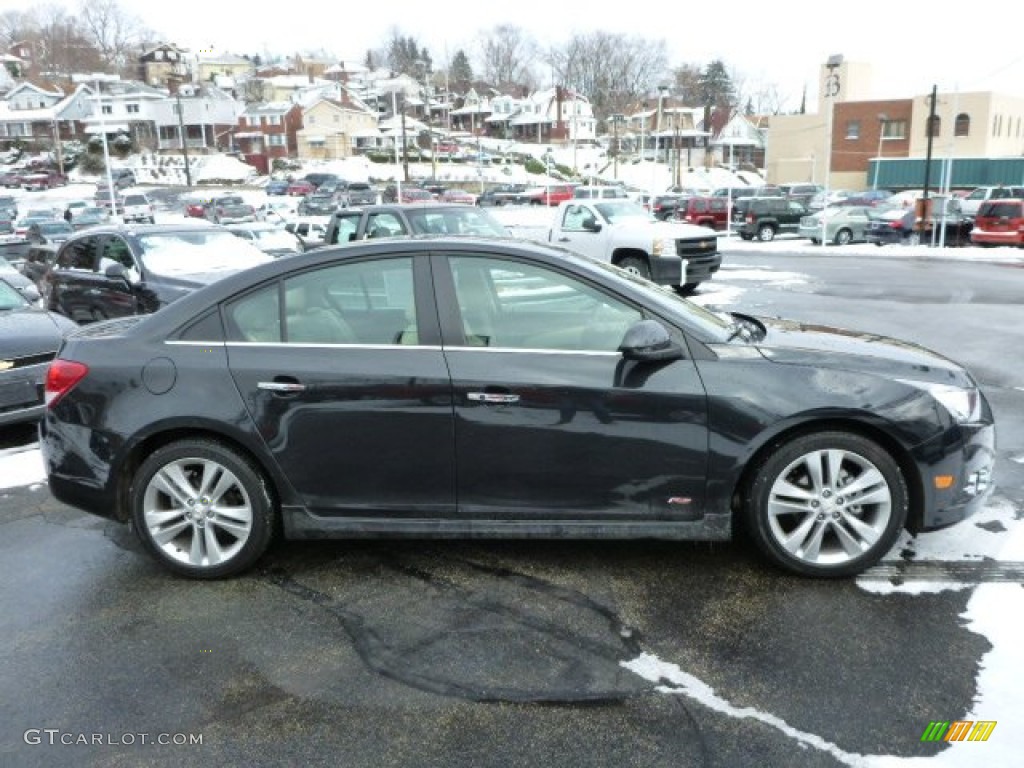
[
  {"x": 26, "y": 332},
  {"x": 796, "y": 343}
]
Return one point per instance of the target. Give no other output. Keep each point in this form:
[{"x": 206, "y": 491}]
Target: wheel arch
[
  {"x": 621, "y": 254},
  {"x": 905, "y": 462},
  {"x": 154, "y": 441}
]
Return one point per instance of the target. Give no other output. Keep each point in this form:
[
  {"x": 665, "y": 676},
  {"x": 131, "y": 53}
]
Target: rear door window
[{"x": 1000, "y": 210}]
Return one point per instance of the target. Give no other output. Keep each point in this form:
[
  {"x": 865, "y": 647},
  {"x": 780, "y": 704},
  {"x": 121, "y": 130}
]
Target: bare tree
[
  {"x": 506, "y": 52},
  {"x": 613, "y": 71},
  {"x": 57, "y": 45},
  {"x": 115, "y": 33}
]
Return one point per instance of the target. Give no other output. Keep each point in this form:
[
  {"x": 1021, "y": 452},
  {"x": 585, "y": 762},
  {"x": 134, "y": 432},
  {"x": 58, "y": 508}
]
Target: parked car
[
  {"x": 500, "y": 195},
  {"x": 664, "y": 206},
  {"x": 843, "y": 225},
  {"x": 311, "y": 230},
  {"x": 74, "y": 206},
  {"x": 361, "y": 193},
  {"x": 276, "y": 187},
  {"x": 278, "y": 211},
  {"x": 301, "y": 188},
  {"x": 901, "y": 226},
  {"x": 767, "y": 217},
  {"x": 999, "y": 222},
  {"x": 971, "y": 203},
  {"x": 29, "y": 338},
  {"x": 458, "y": 197},
  {"x": 118, "y": 270},
  {"x": 8, "y": 207},
  {"x": 413, "y": 194},
  {"x": 33, "y": 216},
  {"x": 869, "y": 197},
  {"x": 136, "y": 207},
  {"x": 123, "y": 177},
  {"x": 230, "y": 209},
  {"x": 475, "y": 377},
  {"x": 710, "y": 212},
  {"x": 90, "y": 217},
  {"x": 738, "y": 193},
  {"x": 396, "y": 220},
  {"x": 20, "y": 282},
  {"x": 11, "y": 179},
  {"x": 269, "y": 238},
  {"x": 322, "y": 203},
  {"x": 317, "y": 179},
  {"x": 610, "y": 192},
  {"x": 52, "y": 232},
  {"x": 40, "y": 180},
  {"x": 801, "y": 192}
]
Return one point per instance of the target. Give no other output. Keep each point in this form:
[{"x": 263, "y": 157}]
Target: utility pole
[
  {"x": 184, "y": 144},
  {"x": 928, "y": 154},
  {"x": 405, "y": 151}
]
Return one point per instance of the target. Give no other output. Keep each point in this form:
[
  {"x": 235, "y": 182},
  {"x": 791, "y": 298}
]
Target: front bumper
[{"x": 965, "y": 452}]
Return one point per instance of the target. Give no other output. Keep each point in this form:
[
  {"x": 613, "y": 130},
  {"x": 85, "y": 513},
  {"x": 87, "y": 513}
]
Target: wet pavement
[{"x": 468, "y": 653}]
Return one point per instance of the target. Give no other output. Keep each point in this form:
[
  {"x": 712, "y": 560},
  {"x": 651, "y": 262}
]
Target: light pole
[
  {"x": 394, "y": 141},
  {"x": 184, "y": 143},
  {"x": 97, "y": 77},
  {"x": 882, "y": 120},
  {"x": 662, "y": 91},
  {"x": 616, "y": 118},
  {"x": 832, "y": 87}
]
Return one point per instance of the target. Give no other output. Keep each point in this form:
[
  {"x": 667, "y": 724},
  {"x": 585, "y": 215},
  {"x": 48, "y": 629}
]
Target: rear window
[{"x": 1003, "y": 209}]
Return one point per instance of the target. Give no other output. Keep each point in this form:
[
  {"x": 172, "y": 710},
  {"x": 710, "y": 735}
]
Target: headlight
[
  {"x": 658, "y": 246},
  {"x": 963, "y": 404}
]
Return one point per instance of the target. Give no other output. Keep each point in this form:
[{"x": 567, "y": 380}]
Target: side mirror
[
  {"x": 592, "y": 225},
  {"x": 649, "y": 341}
]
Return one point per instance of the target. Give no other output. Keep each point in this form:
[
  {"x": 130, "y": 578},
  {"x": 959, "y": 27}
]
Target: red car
[
  {"x": 197, "y": 209},
  {"x": 416, "y": 195},
  {"x": 458, "y": 196},
  {"x": 301, "y": 187},
  {"x": 550, "y": 195},
  {"x": 999, "y": 222}
]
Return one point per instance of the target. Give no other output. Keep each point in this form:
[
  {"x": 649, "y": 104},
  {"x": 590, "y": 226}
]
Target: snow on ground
[{"x": 21, "y": 466}]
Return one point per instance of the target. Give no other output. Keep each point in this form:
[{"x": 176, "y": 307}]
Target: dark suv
[
  {"x": 766, "y": 217},
  {"x": 113, "y": 271}
]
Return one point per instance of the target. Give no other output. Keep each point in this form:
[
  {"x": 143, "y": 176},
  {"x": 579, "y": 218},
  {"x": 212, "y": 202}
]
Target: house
[
  {"x": 208, "y": 114},
  {"x": 330, "y": 129},
  {"x": 123, "y": 107},
  {"x": 555, "y": 115},
  {"x": 739, "y": 142},
  {"x": 164, "y": 65},
  {"x": 208, "y": 68},
  {"x": 33, "y": 113},
  {"x": 267, "y": 132}
]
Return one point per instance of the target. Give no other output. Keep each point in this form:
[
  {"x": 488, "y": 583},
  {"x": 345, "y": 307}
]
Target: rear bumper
[{"x": 983, "y": 237}]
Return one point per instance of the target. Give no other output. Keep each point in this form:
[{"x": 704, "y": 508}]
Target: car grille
[{"x": 702, "y": 247}]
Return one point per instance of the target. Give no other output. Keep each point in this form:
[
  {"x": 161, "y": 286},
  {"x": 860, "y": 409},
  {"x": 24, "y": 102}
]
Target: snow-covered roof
[{"x": 270, "y": 108}]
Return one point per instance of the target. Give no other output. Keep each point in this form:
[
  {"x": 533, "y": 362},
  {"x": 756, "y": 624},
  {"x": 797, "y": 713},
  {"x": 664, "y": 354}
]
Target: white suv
[{"x": 969, "y": 205}]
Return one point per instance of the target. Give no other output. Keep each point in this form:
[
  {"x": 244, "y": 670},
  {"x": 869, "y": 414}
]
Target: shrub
[
  {"x": 533, "y": 165},
  {"x": 91, "y": 163}
]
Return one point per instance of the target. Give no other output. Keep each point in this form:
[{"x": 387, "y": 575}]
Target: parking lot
[{"x": 532, "y": 653}]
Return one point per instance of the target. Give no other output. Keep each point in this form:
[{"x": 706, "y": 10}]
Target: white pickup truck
[{"x": 623, "y": 233}]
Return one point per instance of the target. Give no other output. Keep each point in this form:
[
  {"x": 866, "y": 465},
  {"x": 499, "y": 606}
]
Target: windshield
[
  {"x": 195, "y": 252},
  {"x": 622, "y": 211},
  {"x": 10, "y": 298}
]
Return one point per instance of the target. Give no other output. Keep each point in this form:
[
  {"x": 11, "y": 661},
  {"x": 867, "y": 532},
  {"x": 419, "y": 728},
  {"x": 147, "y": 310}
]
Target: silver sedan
[{"x": 843, "y": 224}]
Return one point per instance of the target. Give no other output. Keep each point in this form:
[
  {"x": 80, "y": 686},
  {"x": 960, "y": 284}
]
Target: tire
[
  {"x": 152, "y": 220},
  {"x": 815, "y": 241},
  {"x": 766, "y": 233},
  {"x": 181, "y": 527},
  {"x": 637, "y": 266},
  {"x": 687, "y": 289},
  {"x": 815, "y": 528},
  {"x": 747, "y": 237},
  {"x": 843, "y": 237}
]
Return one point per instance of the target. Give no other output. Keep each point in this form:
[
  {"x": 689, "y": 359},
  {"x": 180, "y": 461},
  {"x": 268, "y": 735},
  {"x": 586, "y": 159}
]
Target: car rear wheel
[
  {"x": 828, "y": 504},
  {"x": 766, "y": 233},
  {"x": 636, "y": 266},
  {"x": 202, "y": 509},
  {"x": 843, "y": 237},
  {"x": 686, "y": 289}
]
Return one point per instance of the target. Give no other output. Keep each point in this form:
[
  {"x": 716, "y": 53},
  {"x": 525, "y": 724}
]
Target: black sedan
[
  {"x": 439, "y": 387},
  {"x": 29, "y": 338},
  {"x": 900, "y": 226}
]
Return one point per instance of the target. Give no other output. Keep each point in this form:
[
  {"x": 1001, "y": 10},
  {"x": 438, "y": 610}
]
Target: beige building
[
  {"x": 227, "y": 65},
  {"x": 860, "y": 129},
  {"x": 330, "y": 129}
]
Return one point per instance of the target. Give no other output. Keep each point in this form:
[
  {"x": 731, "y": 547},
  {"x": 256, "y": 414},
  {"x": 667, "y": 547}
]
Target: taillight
[
  {"x": 750, "y": 218},
  {"x": 61, "y": 378},
  {"x": 897, "y": 224}
]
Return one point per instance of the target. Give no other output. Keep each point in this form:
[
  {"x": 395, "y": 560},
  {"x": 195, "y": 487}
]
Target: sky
[{"x": 911, "y": 46}]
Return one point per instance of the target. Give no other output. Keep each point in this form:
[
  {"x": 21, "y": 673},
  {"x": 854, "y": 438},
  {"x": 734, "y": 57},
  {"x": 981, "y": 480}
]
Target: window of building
[
  {"x": 107, "y": 109},
  {"x": 275, "y": 139},
  {"x": 311, "y": 120},
  {"x": 273, "y": 120},
  {"x": 131, "y": 109},
  {"x": 894, "y": 129},
  {"x": 934, "y": 127},
  {"x": 963, "y": 125},
  {"x": 853, "y": 129}
]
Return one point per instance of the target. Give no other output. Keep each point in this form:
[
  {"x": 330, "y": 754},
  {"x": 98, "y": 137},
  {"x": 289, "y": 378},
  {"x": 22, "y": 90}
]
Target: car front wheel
[
  {"x": 828, "y": 504},
  {"x": 636, "y": 266},
  {"x": 202, "y": 509},
  {"x": 843, "y": 237}
]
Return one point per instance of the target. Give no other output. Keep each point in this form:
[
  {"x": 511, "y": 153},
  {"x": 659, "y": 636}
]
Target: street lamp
[
  {"x": 97, "y": 77},
  {"x": 616, "y": 119},
  {"x": 832, "y": 87},
  {"x": 882, "y": 120},
  {"x": 662, "y": 92}
]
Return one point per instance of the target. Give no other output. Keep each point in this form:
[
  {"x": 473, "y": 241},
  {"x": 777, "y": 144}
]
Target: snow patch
[{"x": 21, "y": 466}]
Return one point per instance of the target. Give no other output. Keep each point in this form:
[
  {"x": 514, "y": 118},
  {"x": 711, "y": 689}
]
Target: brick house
[{"x": 267, "y": 132}]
